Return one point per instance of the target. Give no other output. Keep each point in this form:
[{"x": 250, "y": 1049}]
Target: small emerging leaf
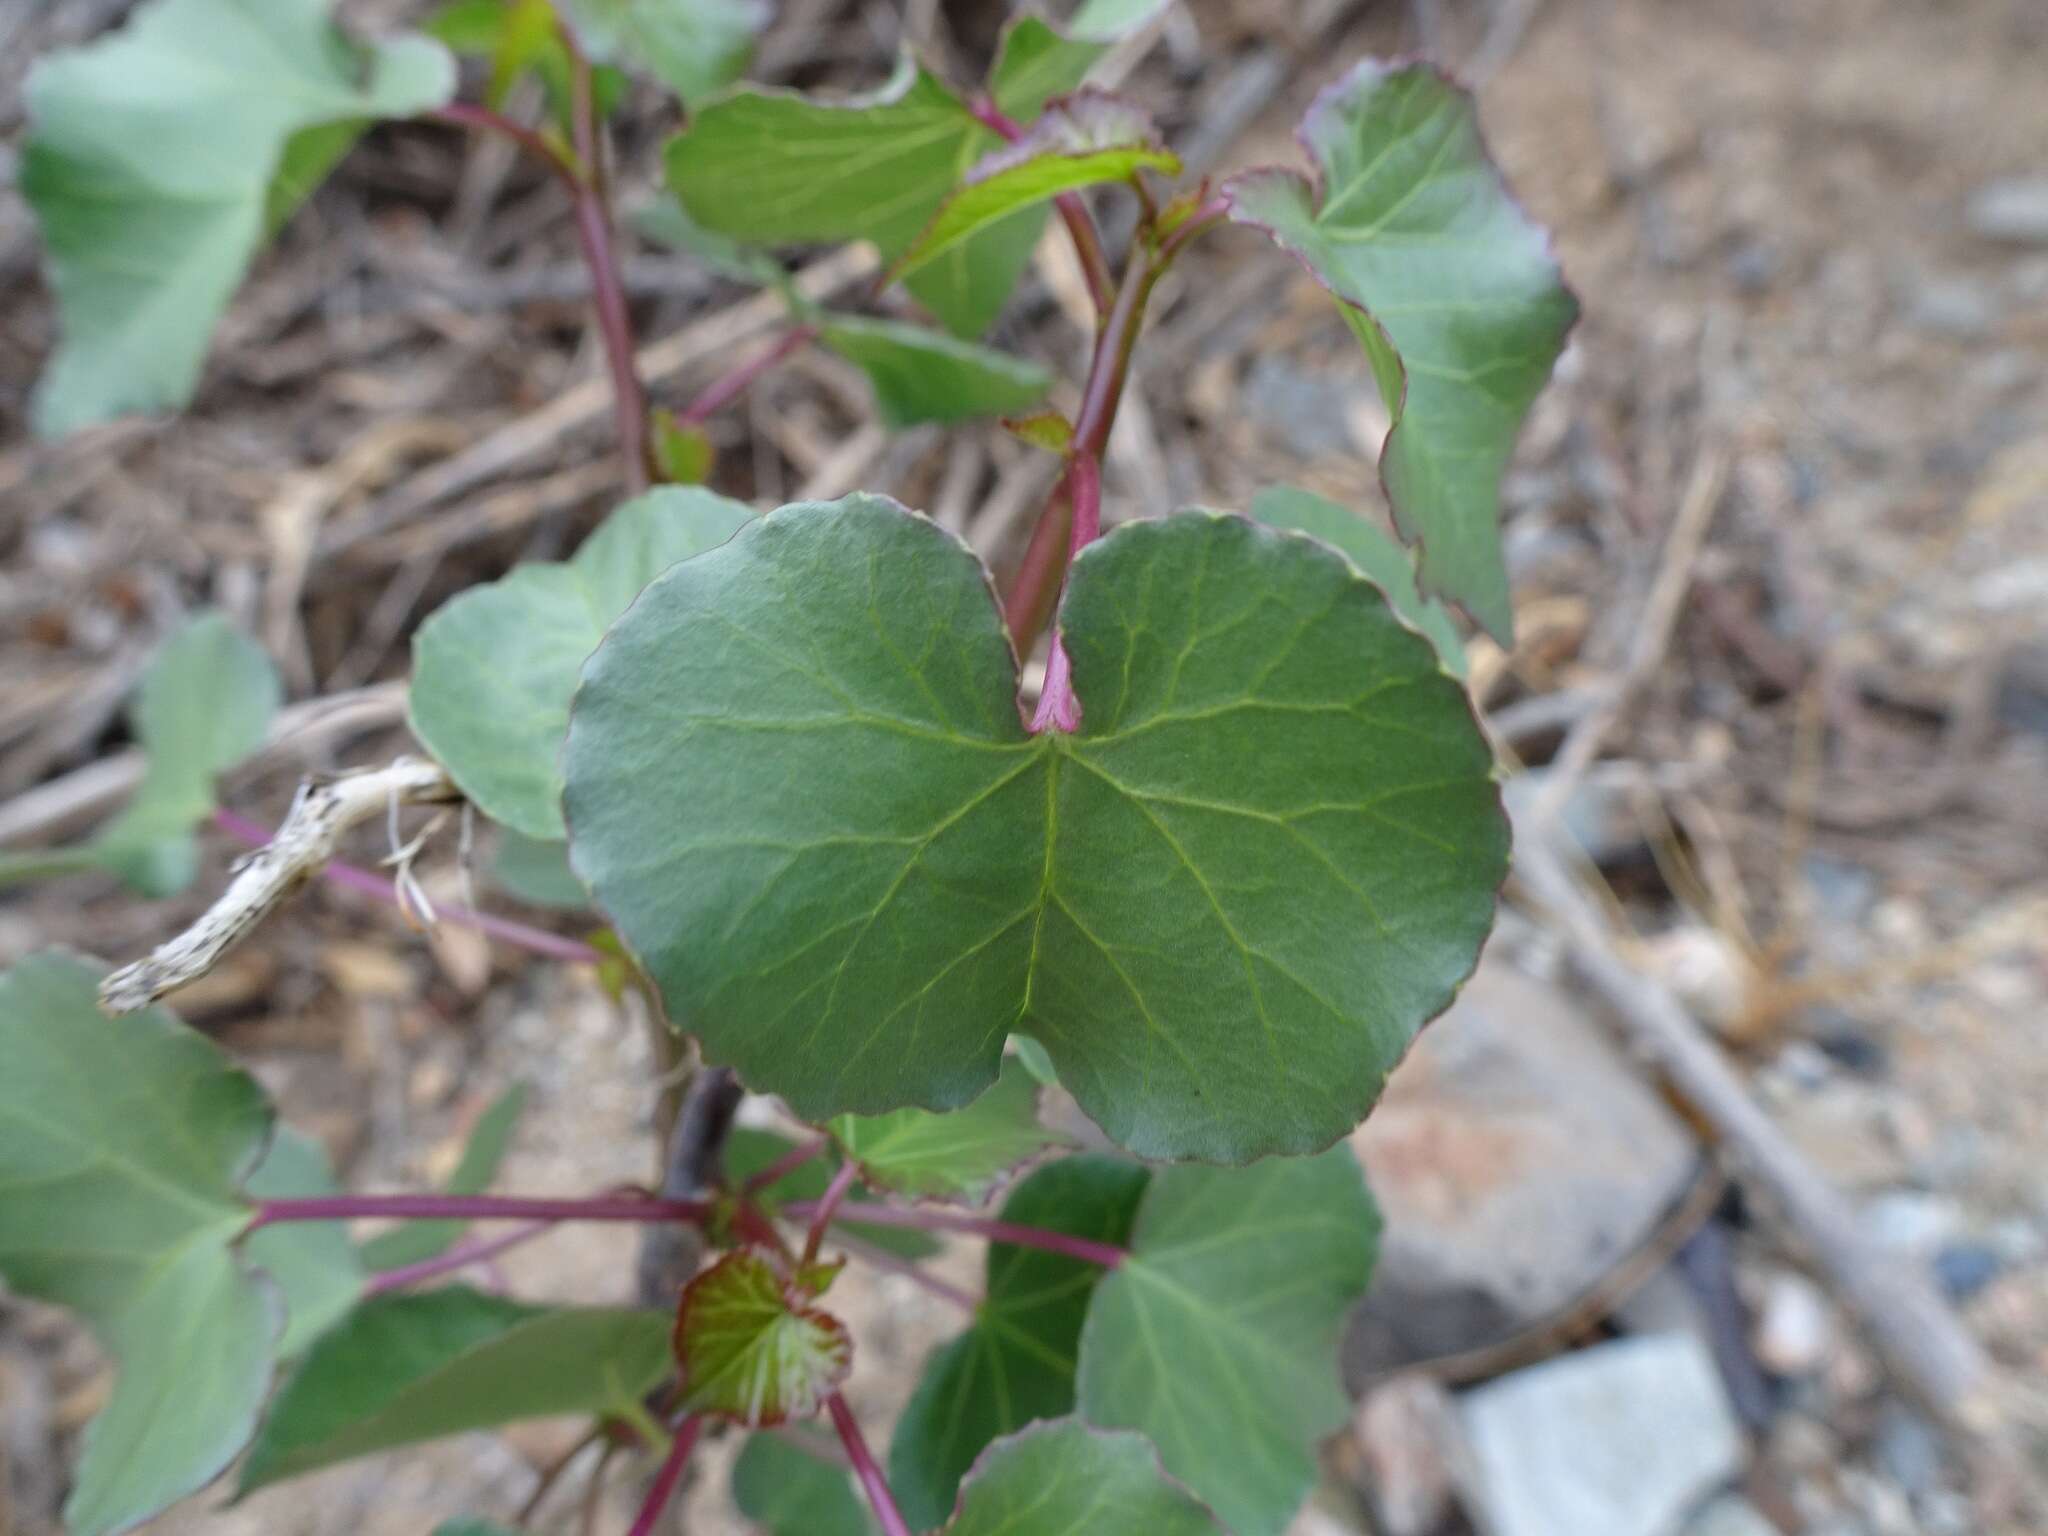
[
  {"x": 1385, "y": 563},
  {"x": 1218, "y": 1336},
  {"x": 751, "y": 1350},
  {"x": 1066, "y": 1479},
  {"x": 402, "y": 1369},
  {"x": 1016, "y": 1363},
  {"x": 925, "y": 375},
  {"x": 412, "y": 1241},
  {"x": 1087, "y": 138},
  {"x": 494, "y": 668},
  {"x": 683, "y": 451},
  {"x": 1450, "y": 289},
  {"x": 123, "y": 1142},
  {"x": 958, "y": 1156},
  {"x": 788, "y": 1492},
  {"x": 1043, "y": 429},
  {"x": 150, "y": 165}
]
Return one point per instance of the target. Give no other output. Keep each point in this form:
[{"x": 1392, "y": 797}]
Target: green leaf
[
  {"x": 1035, "y": 1061},
  {"x": 1016, "y": 1363},
  {"x": 1385, "y": 563},
  {"x": 312, "y": 1262},
  {"x": 123, "y": 1142},
  {"x": 1066, "y": 1479},
  {"x": 536, "y": 871},
  {"x": 774, "y": 167},
  {"x": 1087, "y": 138},
  {"x": 963, "y": 1155},
  {"x": 150, "y": 164},
  {"x": 411, "y": 1242},
  {"x": 925, "y": 375},
  {"x": 401, "y": 1369},
  {"x": 203, "y": 705},
  {"x": 787, "y": 1492},
  {"x": 1218, "y": 1336},
  {"x": 751, "y": 1346},
  {"x": 748, "y": 1151},
  {"x": 1451, "y": 290},
  {"x": 692, "y": 46},
  {"x": 799, "y": 785},
  {"x": 1036, "y": 61},
  {"x": 683, "y": 451},
  {"x": 493, "y": 669},
  {"x": 519, "y": 37}
]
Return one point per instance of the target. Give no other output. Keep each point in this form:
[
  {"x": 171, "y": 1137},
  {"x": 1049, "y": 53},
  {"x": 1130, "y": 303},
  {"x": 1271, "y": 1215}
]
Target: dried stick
[
  {"x": 1918, "y": 1334},
  {"x": 302, "y": 847}
]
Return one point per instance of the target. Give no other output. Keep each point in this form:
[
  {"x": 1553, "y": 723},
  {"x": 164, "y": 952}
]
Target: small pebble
[
  {"x": 1964, "y": 1269},
  {"x": 2013, "y": 209},
  {"x": 1795, "y": 1326}
]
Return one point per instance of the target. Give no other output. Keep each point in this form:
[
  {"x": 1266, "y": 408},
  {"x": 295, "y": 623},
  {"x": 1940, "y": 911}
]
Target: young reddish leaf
[
  {"x": 1385, "y": 563},
  {"x": 123, "y": 1143},
  {"x": 1451, "y": 290},
  {"x": 1224, "y": 906},
  {"x": 1065, "y": 1478},
  {"x": 963, "y": 1155},
  {"x": 1218, "y": 1337},
  {"x": 1087, "y": 138},
  {"x": 752, "y": 1349},
  {"x": 1016, "y": 1363},
  {"x": 150, "y": 162},
  {"x": 493, "y": 669},
  {"x": 922, "y": 375}
]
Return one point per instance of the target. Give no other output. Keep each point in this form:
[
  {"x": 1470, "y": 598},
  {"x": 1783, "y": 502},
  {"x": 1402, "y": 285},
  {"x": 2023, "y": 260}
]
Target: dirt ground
[{"x": 1829, "y": 801}]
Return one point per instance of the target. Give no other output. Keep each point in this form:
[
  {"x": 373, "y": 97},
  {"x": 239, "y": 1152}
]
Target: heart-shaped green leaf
[
  {"x": 494, "y": 668},
  {"x": 312, "y": 1262},
  {"x": 1385, "y": 563},
  {"x": 799, "y": 784},
  {"x": 123, "y": 1142},
  {"x": 787, "y": 1491},
  {"x": 1016, "y": 1363},
  {"x": 1218, "y": 1336},
  {"x": 752, "y": 1347},
  {"x": 1087, "y": 138},
  {"x": 402, "y": 1369},
  {"x": 1067, "y": 1479},
  {"x": 150, "y": 164},
  {"x": 925, "y": 375},
  {"x": 410, "y": 1242},
  {"x": 692, "y": 46},
  {"x": 958, "y": 1156},
  {"x": 1036, "y": 61},
  {"x": 1450, "y": 289}
]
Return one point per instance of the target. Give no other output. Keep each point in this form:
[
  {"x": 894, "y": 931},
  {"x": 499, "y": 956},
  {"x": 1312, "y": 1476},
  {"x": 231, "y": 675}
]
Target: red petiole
[{"x": 872, "y": 1483}]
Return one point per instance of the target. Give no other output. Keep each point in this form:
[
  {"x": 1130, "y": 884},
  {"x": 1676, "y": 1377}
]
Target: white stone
[{"x": 1624, "y": 1439}]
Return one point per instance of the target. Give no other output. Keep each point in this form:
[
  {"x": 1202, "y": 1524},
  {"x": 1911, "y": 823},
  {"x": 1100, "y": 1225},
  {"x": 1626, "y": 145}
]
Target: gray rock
[
  {"x": 1908, "y": 1449},
  {"x": 1517, "y": 1159},
  {"x": 1955, "y": 306},
  {"x": 2013, "y": 209},
  {"x": 1624, "y": 1439},
  {"x": 1911, "y": 1221},
  {"x": 1731, "y": 1515}
]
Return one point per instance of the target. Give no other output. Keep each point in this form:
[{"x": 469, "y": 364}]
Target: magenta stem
[
  {"x": 722, "y": 391},
  {"x": 783, "y": 1166},
  {"x": 821, "y": 1216},
  {"x": 645, "y": 1208},
  {"x": 871, "y": 1480},
  {"x": 539, "y": 941},
  {"x": 1204, "y": 218},
  {"x": 666, "y": 1479},
  {"x": 461, "y": 1256},
  {"x": 867, "y": 1214},
  {"x": 881, "y": 1258},
  {"x": 594, "y": 236},
  {"x": 1073, "y": 212}
]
